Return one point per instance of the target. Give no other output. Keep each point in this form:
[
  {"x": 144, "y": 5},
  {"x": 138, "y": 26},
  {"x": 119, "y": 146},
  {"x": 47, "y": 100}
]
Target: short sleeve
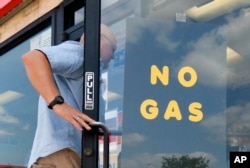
[{"x": 66, "y": 59}]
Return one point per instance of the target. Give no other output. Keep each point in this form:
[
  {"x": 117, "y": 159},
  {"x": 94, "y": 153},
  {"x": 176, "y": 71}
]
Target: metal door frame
[{"x": 90, "y": 152}]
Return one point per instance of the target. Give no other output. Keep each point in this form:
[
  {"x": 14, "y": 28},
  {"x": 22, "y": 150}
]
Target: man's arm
[{"x": 40, "y": 75}]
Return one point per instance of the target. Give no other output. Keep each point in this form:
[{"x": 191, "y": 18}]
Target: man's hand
[{"x": 73, "y": 116}]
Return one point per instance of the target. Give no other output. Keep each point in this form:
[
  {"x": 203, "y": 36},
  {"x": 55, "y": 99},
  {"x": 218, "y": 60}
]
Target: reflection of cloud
[
  {"x": 154, "y": 30},
  {"x": 5, "y": 98},
  {"x": 238, "y": 118},
  {"x": 216, "y": 125},
  {"x": 132, "y": 139},
  {"x": 25, "y": 127},
  {"x": 237, "y": 29},
  {"x": 208, "y": 156},
  {"x": 5, "y": 133},
  {"x": 207, "y": 56},
  {"x": 142, "y": 160},
  {"x": 9, "y": 96},
  {"x": 6, "y": 118},
  {"x": 154, "y": 160}
]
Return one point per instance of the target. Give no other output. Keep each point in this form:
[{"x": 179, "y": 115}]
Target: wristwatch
[{"x": 57, "y": 100}]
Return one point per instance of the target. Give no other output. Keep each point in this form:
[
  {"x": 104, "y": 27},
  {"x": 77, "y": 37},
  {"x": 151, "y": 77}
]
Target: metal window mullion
[{"x": 90, "y": 150}]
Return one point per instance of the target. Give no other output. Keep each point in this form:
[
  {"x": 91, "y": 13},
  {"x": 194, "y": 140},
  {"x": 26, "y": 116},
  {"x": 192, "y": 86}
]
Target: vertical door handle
[{"x": 105, "y": 132}]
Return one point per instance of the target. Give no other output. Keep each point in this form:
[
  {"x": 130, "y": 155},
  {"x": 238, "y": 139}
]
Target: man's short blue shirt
[{"x": 53, "y": 133}]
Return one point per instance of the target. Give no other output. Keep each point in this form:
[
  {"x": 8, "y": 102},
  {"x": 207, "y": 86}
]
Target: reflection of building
[{"x": 113, "y": 119}]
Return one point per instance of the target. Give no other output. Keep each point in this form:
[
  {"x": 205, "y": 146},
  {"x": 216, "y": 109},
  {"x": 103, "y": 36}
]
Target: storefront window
[
  {"x": 178, "y": 87},
  {"x": 18, "y": 102},
  {"x": 179, "y": 83}
]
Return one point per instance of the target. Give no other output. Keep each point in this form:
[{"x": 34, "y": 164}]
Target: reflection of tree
[
  {"x": 152, "y": 165},
  {"x": 184, "y": 161}
]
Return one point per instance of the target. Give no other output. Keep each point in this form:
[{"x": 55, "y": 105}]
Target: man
[{"x": 57, "y": 74}]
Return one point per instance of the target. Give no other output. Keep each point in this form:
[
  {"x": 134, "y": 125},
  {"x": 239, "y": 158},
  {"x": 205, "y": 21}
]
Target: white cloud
[
  {"x": 5, "y": 133},
  {"x": 25, "y": 127},
  {"x": 143, "y": 160},
  {"x": 238, "y": 117},
  {"x": 9, "y": 96},
  {"x": 207, "y": 56},
  {"x": 132, "y": 139},
  {"x": 6, "y": 118},
  {"x": 237, "y": 30},
  {"x": 144, "y": 28},
  {"x": 216, "y": 127}
]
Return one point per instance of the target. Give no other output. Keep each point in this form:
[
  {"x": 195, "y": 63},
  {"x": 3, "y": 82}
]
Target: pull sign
[{"x": 89, "y": 90}]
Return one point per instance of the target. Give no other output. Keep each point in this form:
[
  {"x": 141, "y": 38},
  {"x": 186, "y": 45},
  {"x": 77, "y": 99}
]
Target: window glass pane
[
  {"x": 18, "y": 103},
  {"x": 169, "y": 91},
  {"x": 164, "y": 37},
  {"x": 79, "y": 16}
]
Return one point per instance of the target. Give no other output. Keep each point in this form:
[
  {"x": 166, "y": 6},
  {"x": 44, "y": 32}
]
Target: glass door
[{"x": 178, "y": 86}]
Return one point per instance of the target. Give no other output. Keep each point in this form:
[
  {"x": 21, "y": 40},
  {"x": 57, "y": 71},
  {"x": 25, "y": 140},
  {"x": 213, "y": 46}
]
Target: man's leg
[{"x": 65, "y": 158}]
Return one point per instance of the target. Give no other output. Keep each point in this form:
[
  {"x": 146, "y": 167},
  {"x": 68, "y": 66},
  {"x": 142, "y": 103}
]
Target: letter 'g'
[{"x": 149, "y": 109}]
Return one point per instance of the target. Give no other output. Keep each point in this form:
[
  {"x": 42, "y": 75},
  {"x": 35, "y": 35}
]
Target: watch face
[{"x": 59, "y": 99}]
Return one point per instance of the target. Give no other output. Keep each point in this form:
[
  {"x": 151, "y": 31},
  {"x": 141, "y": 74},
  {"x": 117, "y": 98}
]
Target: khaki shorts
[{"x": 65, "y": 158}]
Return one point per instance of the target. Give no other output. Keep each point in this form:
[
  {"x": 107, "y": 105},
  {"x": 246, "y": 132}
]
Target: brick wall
[{"x": 26, "y": 16}]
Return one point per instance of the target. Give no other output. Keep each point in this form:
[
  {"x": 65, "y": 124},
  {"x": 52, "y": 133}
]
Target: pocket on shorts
[{"x": 35, "y": 165}]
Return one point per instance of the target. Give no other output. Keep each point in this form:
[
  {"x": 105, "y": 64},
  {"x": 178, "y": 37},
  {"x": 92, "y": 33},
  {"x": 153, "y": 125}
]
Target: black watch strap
[{"x": 57, "y": 100}]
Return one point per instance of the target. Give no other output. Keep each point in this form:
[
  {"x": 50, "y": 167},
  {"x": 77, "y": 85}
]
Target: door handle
[{"x": 103, "y": 130}]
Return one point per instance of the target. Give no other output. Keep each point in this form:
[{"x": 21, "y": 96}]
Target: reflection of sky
[
  {"x": 238, "y": 118},
  {"x": 175, "y": 45},
  {"x": 17, "y": 108},
  {"x": 238, "y": 70}
]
